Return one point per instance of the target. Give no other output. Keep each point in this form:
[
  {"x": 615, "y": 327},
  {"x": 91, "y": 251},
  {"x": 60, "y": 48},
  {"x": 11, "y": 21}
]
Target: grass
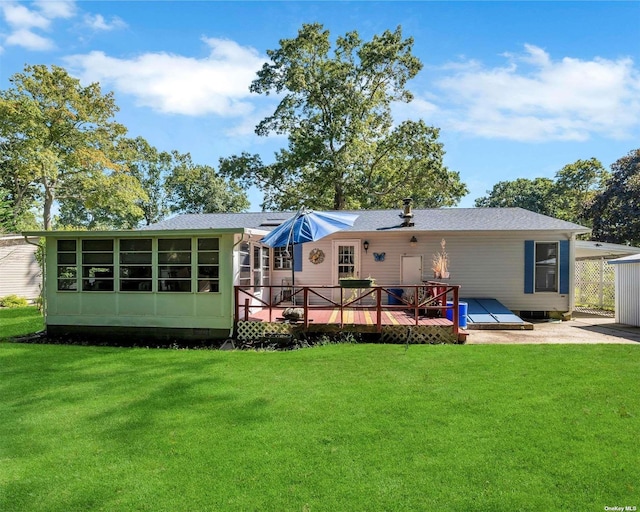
[
  {"x": 20, "y": 321},
  {"x": 333, "y": 428}
]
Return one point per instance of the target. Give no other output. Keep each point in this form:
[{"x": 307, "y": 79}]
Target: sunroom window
[
  {"x": 260, "y": 266},
  {"x": 208, "y": 264},
  {"x": 97, "y": 265},
  {"x": 174, "y": 265},
  {"x": 244, "y": 256},
  {"x": 135, "y": 265},
  {"x": 67, "y": 265}
]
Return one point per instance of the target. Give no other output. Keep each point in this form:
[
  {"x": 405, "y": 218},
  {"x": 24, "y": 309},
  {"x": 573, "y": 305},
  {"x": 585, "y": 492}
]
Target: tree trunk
[
  {"x": 49, "y": 197},
  {"x": 338, "y": 198}
]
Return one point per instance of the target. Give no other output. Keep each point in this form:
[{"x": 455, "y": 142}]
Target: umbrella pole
[{"x": 293, "y": 262}]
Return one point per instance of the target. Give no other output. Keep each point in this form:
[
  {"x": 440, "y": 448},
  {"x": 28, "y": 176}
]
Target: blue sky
[{"x": 518, "y": 89}]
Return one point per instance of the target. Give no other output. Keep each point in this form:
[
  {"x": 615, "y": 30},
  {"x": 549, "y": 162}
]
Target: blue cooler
[
  {"x": 394, "y": 301},
  {"x": 463, "y": 307}
]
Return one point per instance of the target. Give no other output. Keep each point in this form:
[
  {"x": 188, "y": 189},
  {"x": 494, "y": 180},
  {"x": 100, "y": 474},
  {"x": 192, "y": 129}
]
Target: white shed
[
  {"x": 627, "y": 289},
  {"x": 19, "y": 271}
]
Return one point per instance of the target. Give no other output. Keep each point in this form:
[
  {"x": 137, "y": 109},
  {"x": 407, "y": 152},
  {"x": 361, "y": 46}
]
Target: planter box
[{"x": 356, "y": 283}]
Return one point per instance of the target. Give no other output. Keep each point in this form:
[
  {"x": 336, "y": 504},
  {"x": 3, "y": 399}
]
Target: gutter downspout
[{"x": 43, "y": 289}]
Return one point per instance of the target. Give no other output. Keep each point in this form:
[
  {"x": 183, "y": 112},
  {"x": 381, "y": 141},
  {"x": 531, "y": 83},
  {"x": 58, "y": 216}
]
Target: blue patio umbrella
[{"x": 307, "y": 226}]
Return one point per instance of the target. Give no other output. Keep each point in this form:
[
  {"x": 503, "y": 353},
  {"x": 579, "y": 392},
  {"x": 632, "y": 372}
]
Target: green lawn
[
  {"x": 20, "y": 321},
  {"x": 333, "y": 428}
]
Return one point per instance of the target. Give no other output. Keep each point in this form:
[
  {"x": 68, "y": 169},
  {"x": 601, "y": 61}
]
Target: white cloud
[
  {"x": 174, "y": 84},
  {"x": 20, "y": 17},
  {"x": 28, "y": 40},
  {"x": 97, "y": 22},
  {"x": 534, "y": 98},
  {"x": 57, "y": 9},
  {"x": 23, "y": 22}
]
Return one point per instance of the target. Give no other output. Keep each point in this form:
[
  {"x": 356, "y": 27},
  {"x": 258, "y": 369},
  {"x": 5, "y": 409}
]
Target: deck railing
[{"x": 429, "y": 296}]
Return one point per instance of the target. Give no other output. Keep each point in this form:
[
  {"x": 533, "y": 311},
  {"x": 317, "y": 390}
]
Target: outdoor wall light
[
  {"x": 413, "y": 242},
  {"x": 365, "y": 245}
]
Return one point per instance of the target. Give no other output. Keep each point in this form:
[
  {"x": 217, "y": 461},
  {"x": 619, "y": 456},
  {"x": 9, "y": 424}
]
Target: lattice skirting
[
  {"x": 256, "y": 330},
  {"x": 418, "y": 334}
]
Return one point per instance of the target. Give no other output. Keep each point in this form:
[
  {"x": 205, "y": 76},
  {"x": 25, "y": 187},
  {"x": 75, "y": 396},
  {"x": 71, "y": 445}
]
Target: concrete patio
[{"x": 583, "y": 328}]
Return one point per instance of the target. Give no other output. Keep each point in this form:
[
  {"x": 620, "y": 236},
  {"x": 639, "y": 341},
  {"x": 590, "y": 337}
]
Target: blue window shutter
[
  {"x": 564, "y": 267},
  {"x": 529, "y": 265},
  {"x": 297, "y": 258}
]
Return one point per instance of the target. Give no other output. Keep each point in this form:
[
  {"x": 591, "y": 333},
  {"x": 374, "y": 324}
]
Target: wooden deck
[
  {"x": 364, "y": 317},
  {"x": 421, "y": 312}
]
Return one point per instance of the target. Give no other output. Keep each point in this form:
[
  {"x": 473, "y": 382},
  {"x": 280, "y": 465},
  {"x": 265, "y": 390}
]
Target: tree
[
  {"x": 6, "y": 214},
  {"x": 563, "y": 197},
  {"x": 343, "y": 150},
  {"x": 534, "y": 195},
  {"x": 577, "y": 184},
  {"x": 616, "y": 209},
  {"x": 18, "y": 194},
  {"x": 62, "y": 139},
  {"x": 195, "y": 188},
  {"x": 151, "y": 168}
]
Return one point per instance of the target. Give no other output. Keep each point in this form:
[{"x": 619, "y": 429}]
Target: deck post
[
  {"x": 236, "y": 306},
  {"x": 416, "y": 303},
  {"x": 305, "y": 297},
  {"x": 456, "y": 311},
  {"x": 378, "y": 309},
  {"x": 246, "y": 310},
  {"x": 270, "y": 304}
]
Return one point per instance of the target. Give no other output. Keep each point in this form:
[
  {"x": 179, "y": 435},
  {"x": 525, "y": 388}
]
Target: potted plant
[{"x": 440, "y": 262}]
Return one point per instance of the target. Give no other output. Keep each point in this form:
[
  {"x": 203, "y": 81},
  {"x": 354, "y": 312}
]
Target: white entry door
[{"x": 411, "y": 271}]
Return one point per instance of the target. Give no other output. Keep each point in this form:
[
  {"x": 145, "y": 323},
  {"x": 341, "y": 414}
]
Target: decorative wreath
[{"x": 316, "y": 256}]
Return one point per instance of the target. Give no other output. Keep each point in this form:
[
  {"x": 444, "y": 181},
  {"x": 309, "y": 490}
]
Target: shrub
[{"x": 13, "y": 301}]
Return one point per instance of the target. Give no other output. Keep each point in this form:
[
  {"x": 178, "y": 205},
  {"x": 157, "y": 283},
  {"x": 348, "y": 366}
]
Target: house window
[
  {"x": 244, "y": 264},
  {"x": 281, "y": 258},
  {"x": 135, "y": 265},
  {"x": 546, "y": 277},
  {"x": 67, "y": 265},
  {"x": 260, "y": 266},
  {"x": 208, "y": 264},
  {"x": 346, "y": 261},
  {"x": 97, "y": 265},
  {"x": 174, "y": 265}
]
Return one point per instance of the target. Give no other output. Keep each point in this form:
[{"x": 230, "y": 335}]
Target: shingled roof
[{"x": 435, "y": 219}]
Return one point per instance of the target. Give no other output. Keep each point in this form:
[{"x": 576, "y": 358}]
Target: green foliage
[
  {"x": 337, "y": 428},
  {"x": 61, "y": 140},
  {"x": 7, "y": 220},
  {"x": 563, "y": 197},
  {"x": 615, "y": 210},
  {"x": 343, "y": 149},
  {"x": 151, "y": 168},
  {"x": 524, "y": 193},
  {"x": 13, "y": 301},
  {"x": 193, "y": 188}
]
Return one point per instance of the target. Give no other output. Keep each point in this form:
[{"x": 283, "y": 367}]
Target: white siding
[
  {"x": 628, "y": 293},
  {"x": 19, "y": 270},
  {"x": 486, "y": 265}
]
